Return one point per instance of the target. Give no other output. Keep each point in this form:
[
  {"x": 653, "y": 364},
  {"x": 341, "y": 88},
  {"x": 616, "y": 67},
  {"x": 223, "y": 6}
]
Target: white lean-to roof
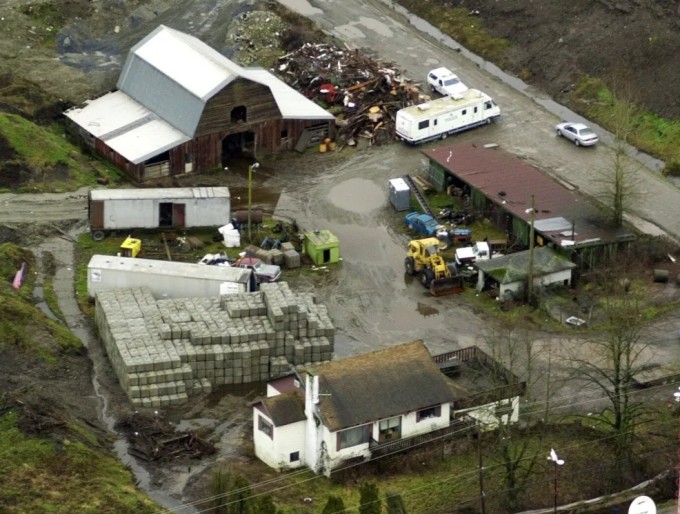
[
  {"x": 169, "y": 268},
  {"x": 159, "y": 193},
  {"x": 443, "y": 105},
  {"x": 164, "y": 86}
]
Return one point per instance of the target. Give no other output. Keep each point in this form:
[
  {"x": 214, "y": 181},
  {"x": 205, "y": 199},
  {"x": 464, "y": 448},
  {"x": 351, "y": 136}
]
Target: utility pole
[
  {"x": 250, "y": 194},
  {"x": 530, "y": 274},
  {"x": 481, "y": 473}
]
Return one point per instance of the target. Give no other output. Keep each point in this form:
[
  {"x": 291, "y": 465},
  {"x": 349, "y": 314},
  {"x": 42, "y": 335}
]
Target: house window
[
  {"x": 266, "y": 427},
  {"x": 389, "y": 429},
  {"x": 430, "y": 412},
  {"x": 423, "y": 124},
  {"x": 239, "y": 114},
  {"x": 353, "y": 436},
  {"x": 295, "y": 456}
]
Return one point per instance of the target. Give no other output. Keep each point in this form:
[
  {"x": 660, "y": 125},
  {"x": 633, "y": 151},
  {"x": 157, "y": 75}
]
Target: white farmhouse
[{"x": 361, "y": 407}]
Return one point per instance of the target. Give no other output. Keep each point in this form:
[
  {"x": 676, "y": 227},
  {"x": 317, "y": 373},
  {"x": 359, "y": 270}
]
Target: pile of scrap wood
[
  {"x": 363, "y": 93},
  {"x": 152, "y": 438}
]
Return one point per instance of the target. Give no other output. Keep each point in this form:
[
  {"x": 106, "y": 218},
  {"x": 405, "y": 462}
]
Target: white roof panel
[
  {"x": 108, "y": 114},
  {"x": 174, "y": 193},
  {"x": 147, "y": 140},
  {"x": 293, "y": 105},
  {"x": 173, "y": 55}
]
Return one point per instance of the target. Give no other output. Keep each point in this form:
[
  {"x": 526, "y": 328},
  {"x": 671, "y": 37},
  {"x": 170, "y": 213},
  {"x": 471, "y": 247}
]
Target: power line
[{"x": 304, "y": 471}]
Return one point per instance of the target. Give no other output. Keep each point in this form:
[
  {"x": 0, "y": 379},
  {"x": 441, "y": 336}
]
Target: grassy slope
[
  {"x": 60, "y": 470},
  {"x": 56, "y": 164}
]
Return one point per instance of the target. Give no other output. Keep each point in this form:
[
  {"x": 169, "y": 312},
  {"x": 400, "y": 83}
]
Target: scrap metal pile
[{"x": 363, "y": 93}]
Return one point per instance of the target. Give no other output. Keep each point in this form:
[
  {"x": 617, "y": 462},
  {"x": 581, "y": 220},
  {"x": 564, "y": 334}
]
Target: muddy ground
[{"x": 372, "y": 303}]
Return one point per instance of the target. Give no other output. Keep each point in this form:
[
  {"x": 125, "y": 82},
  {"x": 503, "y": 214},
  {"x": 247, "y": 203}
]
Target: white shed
[
  {"x": 165, "y": 278},
  {"x": 181, "y": 207}
]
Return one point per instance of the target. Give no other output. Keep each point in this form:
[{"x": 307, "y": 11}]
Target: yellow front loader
[{"x": 424, "y": 258}]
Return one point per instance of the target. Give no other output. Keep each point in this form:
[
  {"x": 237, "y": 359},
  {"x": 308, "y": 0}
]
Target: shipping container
[
  {"x": 170, "y": 208},
  {"x": 165, "y": 279}
]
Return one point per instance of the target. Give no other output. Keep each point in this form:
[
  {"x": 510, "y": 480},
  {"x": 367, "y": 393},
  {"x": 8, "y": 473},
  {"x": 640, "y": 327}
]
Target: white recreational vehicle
[{"x": 439, "y": 118}]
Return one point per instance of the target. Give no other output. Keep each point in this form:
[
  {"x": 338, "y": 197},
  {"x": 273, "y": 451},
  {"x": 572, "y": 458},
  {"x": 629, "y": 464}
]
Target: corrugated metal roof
[
  {"x": 170, "y": 268},
  {"x": 515, "y": 267},
  {"x": 161, "y": 193},
  {"x": 142, "y": 142},
  {"x": 510, "y": 182}
]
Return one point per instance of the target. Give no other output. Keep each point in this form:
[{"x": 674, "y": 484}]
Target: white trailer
[
  {"x": 444, "y": 116},
  {"x": 165, "y": 279},
  {"x": 170, "y": 207}
]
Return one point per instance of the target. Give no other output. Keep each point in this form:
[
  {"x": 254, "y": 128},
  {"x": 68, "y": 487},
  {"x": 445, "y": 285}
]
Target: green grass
[
  {"x": 41, "y": 475},
  {"x": 56, "y": 164},
  {"x": 650, "y": 133},
  {"x": 468, "y": 30}
]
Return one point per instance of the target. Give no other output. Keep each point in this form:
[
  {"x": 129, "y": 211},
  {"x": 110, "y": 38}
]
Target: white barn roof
[
  {"x": 169, "y": 193},
  {"x": 166, "y": 81}
]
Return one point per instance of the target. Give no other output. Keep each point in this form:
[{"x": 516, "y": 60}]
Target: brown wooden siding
[{"x": 257, "y": 99}]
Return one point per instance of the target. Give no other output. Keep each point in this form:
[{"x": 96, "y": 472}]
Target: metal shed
[
  {"x": 165, "y": 279},
  {"x": 184, "y": 207},
  {"x": 322, "y": 247}
]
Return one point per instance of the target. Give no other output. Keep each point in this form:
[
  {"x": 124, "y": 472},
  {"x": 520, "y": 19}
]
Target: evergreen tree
[
  {"x": 395, "y": 503},
  {"x": 369, "y": 499},
  {"x": 334, "y": 505}
]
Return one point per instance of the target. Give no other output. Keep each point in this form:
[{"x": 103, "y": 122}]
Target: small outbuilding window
[
  {"x": 295, "y": 456},
  {"x": 266, "y": 427}
]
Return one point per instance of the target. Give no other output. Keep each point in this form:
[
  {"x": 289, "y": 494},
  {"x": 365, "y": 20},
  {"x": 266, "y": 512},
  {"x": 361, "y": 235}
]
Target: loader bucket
[{"x": 444, "y": 286}]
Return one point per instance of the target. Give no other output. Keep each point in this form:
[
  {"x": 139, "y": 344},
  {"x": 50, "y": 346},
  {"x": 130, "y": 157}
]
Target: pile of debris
[
  {"x": 152, "y": 438},
  {"x": 363, "y": 93}
]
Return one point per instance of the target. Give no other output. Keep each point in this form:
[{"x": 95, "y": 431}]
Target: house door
[
  {"x": 178, "y": 215},
  {"x": 389, "y": 429}
]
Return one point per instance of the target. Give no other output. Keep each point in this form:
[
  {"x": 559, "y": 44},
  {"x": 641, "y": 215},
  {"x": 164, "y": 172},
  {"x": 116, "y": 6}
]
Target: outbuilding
[
  {"x": 181, "y": 207},
  {"x": 322, "y": 247},
  {"x": 165, "y": 279},
  {"x": 510, "y": 273}
]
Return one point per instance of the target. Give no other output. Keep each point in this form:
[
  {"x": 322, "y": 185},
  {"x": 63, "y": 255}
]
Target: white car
[
  {"x": 445, "y": 82},
  {"x": 577, "y": 133}
]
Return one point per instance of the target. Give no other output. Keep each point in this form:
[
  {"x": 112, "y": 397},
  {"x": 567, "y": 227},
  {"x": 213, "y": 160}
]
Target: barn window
[
  {"x": 239, "y": 114},
  {"x": 284, "y": 134}
]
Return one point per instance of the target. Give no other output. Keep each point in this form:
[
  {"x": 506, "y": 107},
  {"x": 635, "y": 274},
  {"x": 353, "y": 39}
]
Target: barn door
[{"x": 178, "y": 214}]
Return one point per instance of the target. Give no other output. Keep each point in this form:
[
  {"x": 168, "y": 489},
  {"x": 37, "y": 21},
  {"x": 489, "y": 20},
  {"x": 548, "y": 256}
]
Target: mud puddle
[{"x": 357, "y": 195}]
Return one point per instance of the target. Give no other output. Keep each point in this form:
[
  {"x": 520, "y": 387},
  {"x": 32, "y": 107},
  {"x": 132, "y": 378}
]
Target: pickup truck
[
  {"x": 445, "y": 82},
  {"x": 480, "y": 251}
]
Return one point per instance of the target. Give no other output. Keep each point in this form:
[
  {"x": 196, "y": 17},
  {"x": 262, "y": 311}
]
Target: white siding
[
  {"x": 276, "y": 451},
  {"x": 486, "y": 414},
  {"x": 164, "y": 279},
  {"x": 411, "y": 427}
]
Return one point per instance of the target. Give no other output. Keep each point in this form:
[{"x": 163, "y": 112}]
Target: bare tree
[
  {"x": 513, "y": 352},
  {"x": 615, "y": 359},
  {"x": 619, "y": 184}
]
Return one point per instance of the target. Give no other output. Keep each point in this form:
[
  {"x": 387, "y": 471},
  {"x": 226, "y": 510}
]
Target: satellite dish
[{"x": 642, "y": 505}]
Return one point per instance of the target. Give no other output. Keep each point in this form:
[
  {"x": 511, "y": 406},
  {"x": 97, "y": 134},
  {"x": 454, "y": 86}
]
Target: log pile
[
  {"x": 152, "y": 438},
  {"x": 363, "y": 93}
]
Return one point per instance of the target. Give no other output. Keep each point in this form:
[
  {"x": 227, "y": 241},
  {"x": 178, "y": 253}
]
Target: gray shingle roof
[
  {"x": 285, "y": 408},
  {"x": 379, "y": 385}
]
